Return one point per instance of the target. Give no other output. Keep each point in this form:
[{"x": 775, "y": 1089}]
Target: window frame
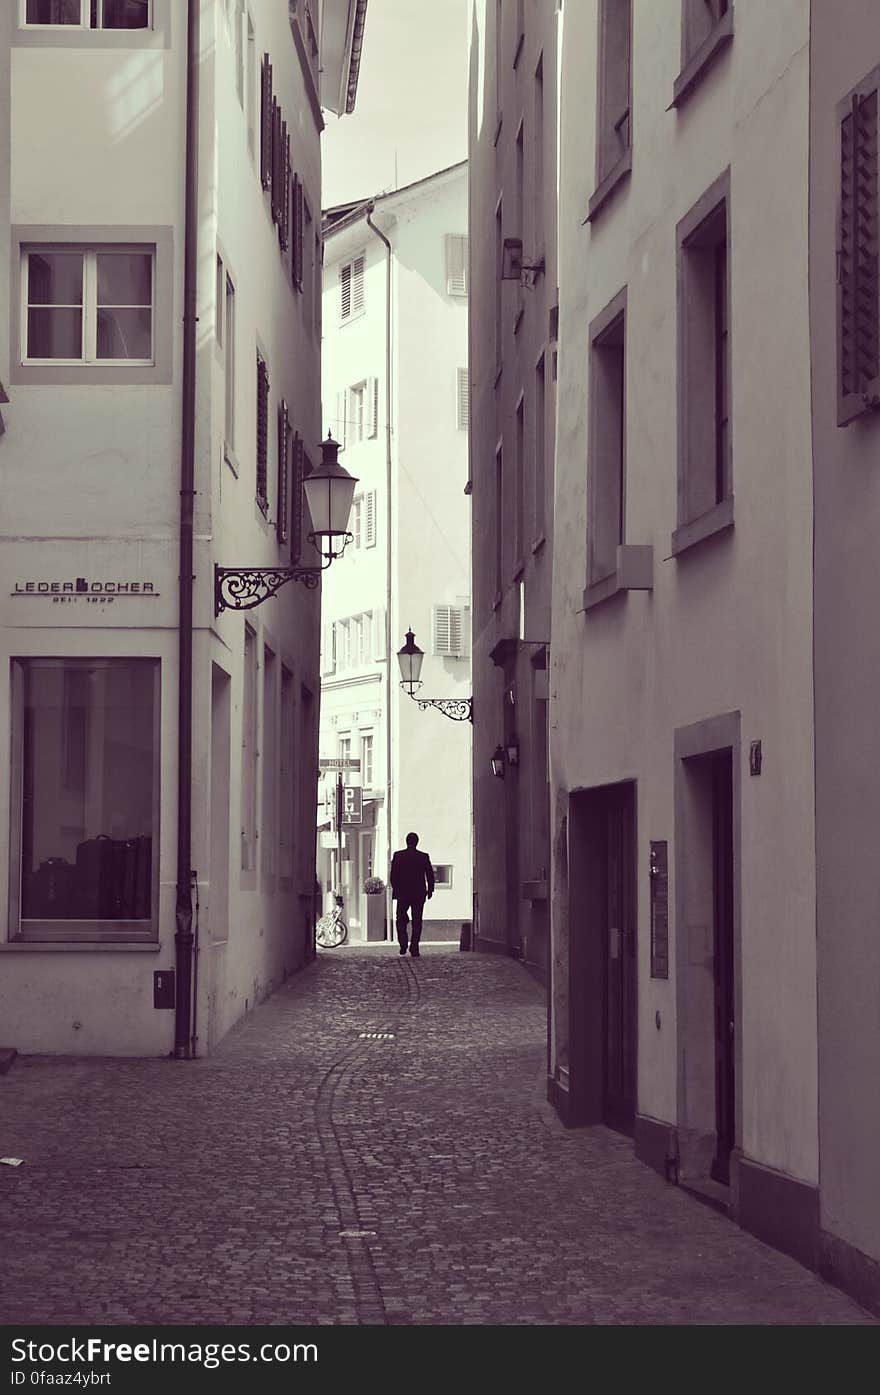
[
  {"x": 354, "y": 312},
  {"x": 862, "y": 399},
  {"x": 26, "y": 238},
  {"x": 695, "y": 234},
  {"x": 443, "y": 883},
  {"x": 610, "y": 173},
  {"x": 90, "y": 306},
  {"x": 697, "y": 59},
  {"x": 608, "y": 332},
  {"x": 157, "y": 34},
  {"x": 457, "y": 261},
  {"x": 80, "y": 931}
]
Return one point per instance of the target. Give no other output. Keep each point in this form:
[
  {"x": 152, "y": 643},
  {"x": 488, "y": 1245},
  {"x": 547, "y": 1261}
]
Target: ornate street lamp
[
  {"x": 329, "y": 492},
  {"x": 410, "y": 657}
]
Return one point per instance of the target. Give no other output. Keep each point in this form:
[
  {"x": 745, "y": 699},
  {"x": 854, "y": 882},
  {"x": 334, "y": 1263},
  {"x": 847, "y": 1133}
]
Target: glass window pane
[
  {"x": 54, "y": 334},
  {"x": 125, "y": 278},
  {"x": 53, "y": 12},
  {"x": 55, "y": 278},
  {"x": 126, "y": 14},
  {"x": 125, "y": 334},
  {"x": 88, "y": 790}
]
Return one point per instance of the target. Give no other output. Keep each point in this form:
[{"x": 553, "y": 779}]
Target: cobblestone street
[{"x": 371, "y": 1145}]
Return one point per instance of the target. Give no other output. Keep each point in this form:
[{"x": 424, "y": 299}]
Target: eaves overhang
[{"x": 342, "y": 38}]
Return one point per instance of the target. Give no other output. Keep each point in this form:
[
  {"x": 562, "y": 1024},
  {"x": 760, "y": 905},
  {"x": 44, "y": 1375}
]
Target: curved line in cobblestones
[{"x": 367, "y": 1291}]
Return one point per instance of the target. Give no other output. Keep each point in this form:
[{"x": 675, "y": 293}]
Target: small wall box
[{"x": 163, "y": 988}]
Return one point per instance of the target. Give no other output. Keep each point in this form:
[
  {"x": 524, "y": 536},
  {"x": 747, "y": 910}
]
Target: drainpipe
[
  {"x": 183, "y": 939},
  {"x": 389, "y": 653}
]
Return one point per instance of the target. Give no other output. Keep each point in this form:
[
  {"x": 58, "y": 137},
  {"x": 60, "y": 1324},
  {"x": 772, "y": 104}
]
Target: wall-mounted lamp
[
  {"x": 513, "y": 268},
  {"x": 409, "y": 658},
  {"x": 328, "y": 492},
  {"x": 498, "y": 760},
  {"x": 511, "y": 747}
]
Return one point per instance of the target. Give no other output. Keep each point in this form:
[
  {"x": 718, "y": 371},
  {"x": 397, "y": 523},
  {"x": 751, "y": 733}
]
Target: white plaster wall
[
  {"x": 728, "y": 627},
  {"x": 91, "y": 476}
]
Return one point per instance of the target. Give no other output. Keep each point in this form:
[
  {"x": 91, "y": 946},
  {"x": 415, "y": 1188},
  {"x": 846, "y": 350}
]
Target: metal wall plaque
[{"x": 659, "y": 910}]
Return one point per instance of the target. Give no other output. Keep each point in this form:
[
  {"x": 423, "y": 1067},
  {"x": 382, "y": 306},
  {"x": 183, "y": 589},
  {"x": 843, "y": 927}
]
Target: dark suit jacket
[{"x": 412, "y": 876}]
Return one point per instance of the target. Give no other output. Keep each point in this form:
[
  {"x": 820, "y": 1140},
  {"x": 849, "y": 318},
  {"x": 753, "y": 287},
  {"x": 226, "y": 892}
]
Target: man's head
[{"x": 412, "y": 840}]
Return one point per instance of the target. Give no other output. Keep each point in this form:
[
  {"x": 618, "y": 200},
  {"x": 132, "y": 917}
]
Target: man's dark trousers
[{"x": 415, "y": 907}]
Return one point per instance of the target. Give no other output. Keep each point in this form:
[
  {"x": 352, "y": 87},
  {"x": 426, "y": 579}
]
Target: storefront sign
[{"x": 96, "y": 592}]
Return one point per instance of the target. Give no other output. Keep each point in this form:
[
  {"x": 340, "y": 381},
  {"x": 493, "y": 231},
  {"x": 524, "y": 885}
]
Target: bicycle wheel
[{"x": 330, "y": 931}]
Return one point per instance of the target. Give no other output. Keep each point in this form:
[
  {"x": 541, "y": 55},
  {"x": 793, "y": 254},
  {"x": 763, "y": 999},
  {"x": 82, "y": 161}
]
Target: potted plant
[{"x": 373, "y": 886}]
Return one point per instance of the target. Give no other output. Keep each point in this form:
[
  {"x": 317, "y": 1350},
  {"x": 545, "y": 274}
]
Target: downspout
[
  {"x": 389, "y": 653},
  {"x": 184, "y": 1031}
]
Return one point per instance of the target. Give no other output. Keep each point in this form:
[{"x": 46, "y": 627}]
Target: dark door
[
  {"x": 722, "y": 847},
  {"x": 619, "y": 1092}
]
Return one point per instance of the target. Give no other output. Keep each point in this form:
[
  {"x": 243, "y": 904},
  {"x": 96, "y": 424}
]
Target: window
[
  {"x": 308, "y": 276},
  {"x": 606, "y": 491},
  {"x": 538, "y": 159},
  {"x": 351, "y": 288},
  {"x": 858, "y": 289},
  {"x": 462, "y": 400},
  {"x": 286, "y": 775},
  {"x": 345, "y": 754},
  {"x": 262, "y": 432},
  {"x": 443, "y": 875},
  {"x": 89, "y": 14},
  {"x": 613, "y": 123},
  {"x": 238, "y": 41},
  {"x": 266, "y": 118},
  {"x": 499, "y": 519},
  {"x": 85, "y": 799},
  {"x": 301, "y": 469},
  {"x": 357, "y": 518},
  {"x": 356, "y": 422},
  {"x": 456, "y": 264},
  {"x": 249, "y": 754},
  {"x": 704, "y": 463},
  {"x": 270, "y": 761},
  {"x": 519, "y": 519},
  {"x": 519, "y": 187},
  {"x": 520, "y": 31},
  {"x": 706, "y": 29},
  {"x": 540, "y": 446},
  {"x": 87, "y": 304},
  {"x": 296, "y": 213},
  {"x": 228, "y": 314},
  {"x": 448, "y": 631},
  {"x": 328, "y": 648},
  {"x": 367, "y": 760},
  {"x": 499, "y": 302},
  {"x": 250, "y": 83},
  {"x": 282, "y": 515}
]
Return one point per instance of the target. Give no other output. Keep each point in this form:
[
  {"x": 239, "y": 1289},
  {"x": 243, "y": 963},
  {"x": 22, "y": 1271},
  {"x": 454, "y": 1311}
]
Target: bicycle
[{"x": 331, "y": 930}]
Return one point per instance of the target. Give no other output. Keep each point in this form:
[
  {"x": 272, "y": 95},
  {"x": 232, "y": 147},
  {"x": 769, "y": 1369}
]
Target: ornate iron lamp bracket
[
  {"x": 457, "y": 709},
  {"x": 242, "y": 588}
]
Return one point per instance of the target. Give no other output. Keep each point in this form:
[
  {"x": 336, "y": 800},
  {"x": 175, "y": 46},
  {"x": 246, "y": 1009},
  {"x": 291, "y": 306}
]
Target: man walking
[{"x": 412, "y": 882}]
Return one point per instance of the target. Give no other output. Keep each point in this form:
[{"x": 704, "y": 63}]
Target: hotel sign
[{"x": 81, "y": 588}]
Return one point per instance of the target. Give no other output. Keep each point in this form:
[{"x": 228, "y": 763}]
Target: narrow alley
[{"x": 369, "y": 1146}]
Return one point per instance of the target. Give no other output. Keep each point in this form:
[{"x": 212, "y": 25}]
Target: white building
[
  {"x": 396, "y": 391},
  {"x": 136, "y": 878}
]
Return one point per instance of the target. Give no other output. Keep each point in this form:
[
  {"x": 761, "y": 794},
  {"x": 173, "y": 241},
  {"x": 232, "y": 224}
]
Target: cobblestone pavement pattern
[{"x": 161, "y": 1191}]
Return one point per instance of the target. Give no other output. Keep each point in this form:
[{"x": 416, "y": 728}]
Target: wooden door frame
[
  {"x": 709, "y": 737},
  {"x": 587, "y": 951}
]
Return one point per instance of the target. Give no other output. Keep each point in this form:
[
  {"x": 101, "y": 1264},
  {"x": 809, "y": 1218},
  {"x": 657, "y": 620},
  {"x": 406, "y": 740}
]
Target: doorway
[
  {"x": 603, "y": 960},
  {"x": 219, "y": 805},
  {"x": 706, "y": 897}
]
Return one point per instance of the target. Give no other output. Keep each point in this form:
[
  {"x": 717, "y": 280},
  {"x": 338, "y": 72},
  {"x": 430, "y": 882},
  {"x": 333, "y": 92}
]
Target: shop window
[{"x": 85, "y": 799}]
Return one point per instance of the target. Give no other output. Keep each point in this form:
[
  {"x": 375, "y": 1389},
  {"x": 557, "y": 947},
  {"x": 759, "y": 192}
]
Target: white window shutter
[
  {"x": 440, "y": 636},
  {"x": 379, "y": 633},
  {"x": 357, "y": 285},
  {"x": 463, "y": 402},
  {"x": 328, "y": 648},
  {"x": 448, "y": 637},
  {"x": 456, "y": 264},
  {"x": 370, "y": 519},
  {"x": 341, "y": 417}
]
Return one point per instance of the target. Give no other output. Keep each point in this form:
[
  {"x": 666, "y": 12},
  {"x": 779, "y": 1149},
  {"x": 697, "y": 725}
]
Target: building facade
[
  {"x": 396, "y": 393},
  {"x": 513, "y": 203},
  {"x": 157, "y": 825}
]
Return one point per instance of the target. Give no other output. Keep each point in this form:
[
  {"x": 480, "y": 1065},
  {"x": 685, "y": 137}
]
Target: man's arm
[
  {"x": 429, "y": 875},
  {"x": 391, "y": 878}
]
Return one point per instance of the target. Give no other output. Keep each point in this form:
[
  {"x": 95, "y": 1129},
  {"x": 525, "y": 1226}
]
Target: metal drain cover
[{"x": 375, "y": 1036}]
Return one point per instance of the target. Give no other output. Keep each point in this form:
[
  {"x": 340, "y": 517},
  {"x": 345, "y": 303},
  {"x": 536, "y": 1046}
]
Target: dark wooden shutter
[
  {"x": 284, "y": 192},
  {"x": 282, "y": 516},
  {"x": 266, "y": 123},
  {"x": 297, "y": 233},
  {"x": 858, "y": 288},
  {"x": 297, "y": 502},
  {"x": 277, "y": 160},
  {"x": 262, "y": 431}
]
